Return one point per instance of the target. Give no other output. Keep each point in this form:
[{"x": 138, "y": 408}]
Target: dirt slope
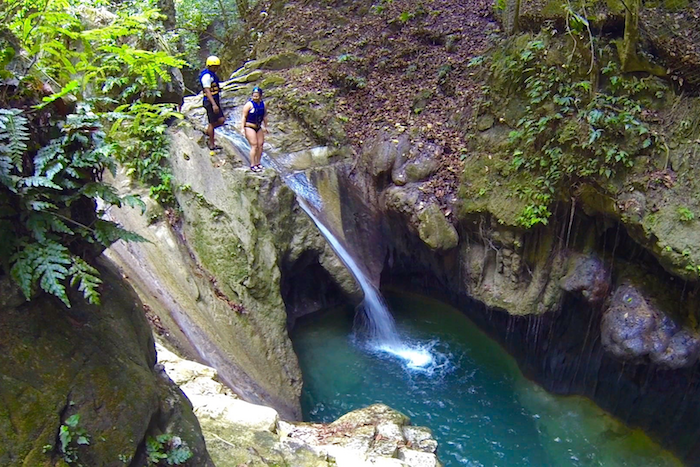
[{"x": 393, "y": 66}]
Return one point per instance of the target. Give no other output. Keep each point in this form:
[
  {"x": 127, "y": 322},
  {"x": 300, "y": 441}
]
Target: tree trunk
[{"x": 628, "y": 53}]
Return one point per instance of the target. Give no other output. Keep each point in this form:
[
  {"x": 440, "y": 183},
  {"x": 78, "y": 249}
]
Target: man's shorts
[{"x": 213, "y": 117}]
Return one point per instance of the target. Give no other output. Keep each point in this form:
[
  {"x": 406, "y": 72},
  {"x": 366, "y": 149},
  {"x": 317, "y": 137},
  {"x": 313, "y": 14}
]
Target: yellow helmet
[{"x": 213, "y": 60}]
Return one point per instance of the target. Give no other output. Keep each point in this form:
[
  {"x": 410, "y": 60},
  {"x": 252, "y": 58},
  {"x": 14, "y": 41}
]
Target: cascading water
[{"x": 380, "y": 328}]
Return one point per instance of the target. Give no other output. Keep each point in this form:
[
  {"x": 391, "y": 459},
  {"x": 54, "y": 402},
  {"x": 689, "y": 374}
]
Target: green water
[{"x": 482, "y": 411}]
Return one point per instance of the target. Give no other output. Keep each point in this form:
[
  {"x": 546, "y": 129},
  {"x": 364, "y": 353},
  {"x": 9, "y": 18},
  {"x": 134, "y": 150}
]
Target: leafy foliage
[
  {"x": 579, "y": 123},
  {"x": 70, "y": 437},
  {"x": 49, "y": 203},
  {"x": 167, "y": 449},
  {"x": 52, "y": 156},
  {"x": 139, "y": 132},
  {"x": 685, "y": 214}
]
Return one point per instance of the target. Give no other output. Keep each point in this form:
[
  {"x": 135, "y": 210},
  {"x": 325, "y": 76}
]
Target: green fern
[
  {"x": 36, "y": 238},
  {"x": 49, "y": 188},
  {"x": 86, "y": 278},
  {"x": 167, "y": 449},
  {"x": 14, "y": 134},
  {"x": 179, "y": 456},
  {"x": 43, "y": 263},
  {"x": 106, "y": 233}
]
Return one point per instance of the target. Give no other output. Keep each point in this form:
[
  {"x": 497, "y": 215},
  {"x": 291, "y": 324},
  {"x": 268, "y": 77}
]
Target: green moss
[
  {"x": 316, "y": 113},
  {"x": 579, "y": 124},
  {"x": 272, "y": 81}
]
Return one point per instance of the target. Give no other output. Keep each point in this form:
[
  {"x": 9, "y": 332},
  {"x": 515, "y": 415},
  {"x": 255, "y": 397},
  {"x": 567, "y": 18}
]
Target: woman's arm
[{"x": 246, "y": 109}]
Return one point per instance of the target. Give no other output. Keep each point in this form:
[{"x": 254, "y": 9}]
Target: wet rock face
[
  {"x": 633, "y": 327},
  {"x": 589, "y": 277}
]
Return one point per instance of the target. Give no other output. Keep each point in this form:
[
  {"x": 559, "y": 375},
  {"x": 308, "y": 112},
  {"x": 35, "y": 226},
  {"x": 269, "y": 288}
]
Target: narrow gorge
[{"x": 524, "y": 171}]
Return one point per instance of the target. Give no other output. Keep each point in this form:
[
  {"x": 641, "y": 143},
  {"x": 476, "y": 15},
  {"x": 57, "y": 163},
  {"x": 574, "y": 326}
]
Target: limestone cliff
[{"x": 238, "y": 432}]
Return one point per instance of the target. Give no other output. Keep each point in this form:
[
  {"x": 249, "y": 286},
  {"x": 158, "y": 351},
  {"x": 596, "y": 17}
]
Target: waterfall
[{"x": 379, "y": 324}]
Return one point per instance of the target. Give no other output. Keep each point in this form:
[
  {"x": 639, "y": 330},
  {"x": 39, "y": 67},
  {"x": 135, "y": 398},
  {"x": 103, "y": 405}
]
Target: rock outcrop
[
  {"x": 218, "y": 275},
  {"x": 241, "y": 433},
  {"x": 87, "y": 372}
]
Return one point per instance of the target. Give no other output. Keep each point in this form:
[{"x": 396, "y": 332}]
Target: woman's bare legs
[
  {"x": 260, "y": 142},
  {"x": 252, "y": 137}
]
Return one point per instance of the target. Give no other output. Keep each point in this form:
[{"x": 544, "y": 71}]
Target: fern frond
[
  {"x": 44, "y": 263},
  {"x": 87, "y": 278},
  {"x": 52, "y": 275},
  {"x": 135, "y": 201},
  {"x": 40, "y": 181},
  {"x": 41, "y": 223},
  {"x": 36, "y": 205},
  {"x": 38, "y": 225},
  {"x": 179, "y": 455},
  {"x": 106, "y": 233},
  {"x": 100, "y": 190},
  {"x": 22, "y": 270},
  {"x": 14, "y": 133},
  {"x": 50, "y": 160},
  {"x": 6, "y": 167}
]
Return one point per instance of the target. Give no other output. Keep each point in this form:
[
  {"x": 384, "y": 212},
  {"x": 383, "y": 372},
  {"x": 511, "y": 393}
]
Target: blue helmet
[{"x": 257, "y": 89}]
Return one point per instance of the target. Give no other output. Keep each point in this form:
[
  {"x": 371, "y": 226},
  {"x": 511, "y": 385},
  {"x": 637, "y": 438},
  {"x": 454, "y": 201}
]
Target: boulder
[
  {"x": 239, "y": 433},
  {"x": 435, "y": 230},
  {"x": 588, "y": 276},
  {"x": 633, "y": 327},
  {"x": 87, "y": 370}
]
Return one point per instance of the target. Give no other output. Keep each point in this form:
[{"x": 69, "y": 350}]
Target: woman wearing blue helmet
[{"x": 254, "y": 116}]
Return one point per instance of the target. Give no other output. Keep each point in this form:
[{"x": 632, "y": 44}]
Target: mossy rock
[
  {"x": 93, "y": 362},
  {"x": 316, "y": 113},
  {"x": 282, "y": 61},
  {"x": 601, "y": 13},
  {"x": 272, "y": 81},
  {"x": 435, "y": 230}
]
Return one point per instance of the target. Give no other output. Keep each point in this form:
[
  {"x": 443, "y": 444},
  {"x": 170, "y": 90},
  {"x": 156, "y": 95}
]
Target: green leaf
[
  {"x": 135, "y": 201},
  {"x": 64, "y": 436},
  {"x": 179, "y": 455},
  {"x": 87, "y": 278},
  {"x": 107, "y": 233},
  {"x": 40, "y": 181},
  {"x": 67, "y": 89},
  {"x": 72, "y": 421}
]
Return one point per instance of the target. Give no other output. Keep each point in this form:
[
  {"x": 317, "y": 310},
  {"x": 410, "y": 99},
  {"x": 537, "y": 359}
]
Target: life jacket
[
  {"x": 214, "y": 85},
  {"x": 257, "y": 113}
]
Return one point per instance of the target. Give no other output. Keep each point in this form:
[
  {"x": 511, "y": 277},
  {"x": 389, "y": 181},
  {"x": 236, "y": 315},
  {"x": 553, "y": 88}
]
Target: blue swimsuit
[{"x": 256, "y": 115}]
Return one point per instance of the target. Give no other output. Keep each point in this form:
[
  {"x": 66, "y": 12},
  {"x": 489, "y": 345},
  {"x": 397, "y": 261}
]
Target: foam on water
[{"x": 415, "y": 357}]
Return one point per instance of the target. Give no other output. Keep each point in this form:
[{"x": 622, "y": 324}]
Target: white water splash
[{"x": 380, "y": 325}]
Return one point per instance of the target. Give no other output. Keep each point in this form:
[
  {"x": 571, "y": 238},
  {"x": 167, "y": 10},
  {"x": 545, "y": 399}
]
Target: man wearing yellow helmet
[{"x": 210, "y": 85}]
